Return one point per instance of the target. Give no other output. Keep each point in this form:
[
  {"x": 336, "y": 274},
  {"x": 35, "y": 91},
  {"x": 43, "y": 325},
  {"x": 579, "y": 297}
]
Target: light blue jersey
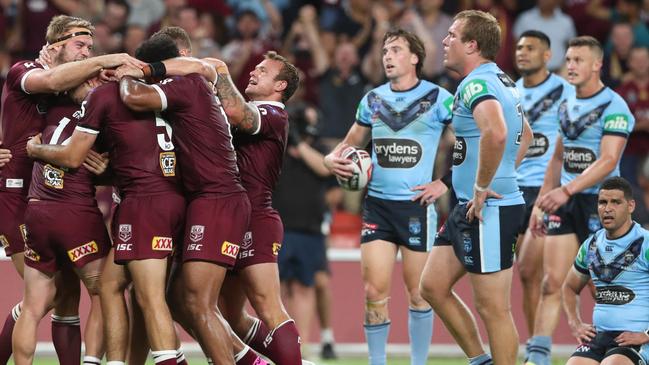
[
  {"x": 584, "y": 121},
  {"x": 485, "y": 82},
  {"x": 406, "y": 128},
  {"x": 541, "y": 105},
  {"x": 620, "y": 271}
]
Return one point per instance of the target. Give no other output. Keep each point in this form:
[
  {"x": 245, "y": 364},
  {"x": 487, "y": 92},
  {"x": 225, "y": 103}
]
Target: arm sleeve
[
  {"x": 92, "y": 111},
  {"x": 364, "y": 113},
  {"x": 618, "y": 119}
]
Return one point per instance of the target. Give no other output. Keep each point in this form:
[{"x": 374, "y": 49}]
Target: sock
[
  {"x": 7, "y": 331},
  {"x": 256, "y": 336},
  {"x": 484, "y": 359},
  {"x": 164, "y": 357},
  {"x": 327, "y": 335},
  {"x": 539, "y": 350},
  {"x": 66, "y": 336},
  {"x": 283, "y": 344},
  {"x": 420, "y": 331},
  {"x": 376, "y": 336},
  {"x": 209, "y": 361},
  {"x": 248, "y": 357},
  {"x": 91, "y": 360},
  {"x": 180, "y": 357},
  {"x": 115, "y": 363}
]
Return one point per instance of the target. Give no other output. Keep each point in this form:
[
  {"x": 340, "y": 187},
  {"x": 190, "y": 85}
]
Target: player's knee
[
  {"x": 551, "y": 285},
  {"x": 415, "y": 299},
  {"x": 196, "y": 302},
  {"x": 375, "y": 292},
  {"x": 431, "y": 292},
  {"x": 66, "y": 302},
  {"x": 529, "y": 274},
  {"x": 93, "y": 283},
  {"x": 493, "y": 309}
]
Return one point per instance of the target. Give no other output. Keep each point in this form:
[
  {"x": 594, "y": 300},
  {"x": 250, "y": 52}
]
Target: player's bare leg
[
  {"x": 18, "y": 260},
  {"x": 94, "y": 332},
  {"x": 149, "y": 279},
  {"x": 66, "y": 329},
  {"x": 530, "y": 268},
  {"x": 492, "y": 298},
  {"x": 138, "y": 343},
  {"x": 114, "y": 281},
  {"x": 377, "y": 263},
  {"x": 300, "y": 303},
  {"x": 440, "y": 274},
  {"x": 202, "y": 283}
]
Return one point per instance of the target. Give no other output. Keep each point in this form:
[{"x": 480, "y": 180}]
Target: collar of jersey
[{"x": 273, "y": 103}]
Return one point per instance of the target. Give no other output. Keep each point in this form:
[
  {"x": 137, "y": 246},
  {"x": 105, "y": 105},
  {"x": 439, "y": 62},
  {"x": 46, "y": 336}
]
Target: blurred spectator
[
  {"x": 372, "y": 62},
  {"x": 170, "y": 17},
  {"x": 134, "y": 36},
  {"x": 116, "y": 12},
  {"x": 641, "y": 195},
  {"x": 145, "y": 12},
  {"x": 201, "y": 28},
  {"x": 353, "y": 24},
  {"x": 635, "y": 90},
  {"x": 616, "y": 58},
  {"x": 559, "y": 27},
  {"x": 5, "y": 65},
  {"x": 341, "y": 88},
  {"x": 585, "y": 23},
  {"x": 436, "y": 23},
  {"x": 247, "y": 48},
  {"x": 105, "y": 40},
  {"x": 625, "y": 10},
  {"x": 267, "y": 13}
]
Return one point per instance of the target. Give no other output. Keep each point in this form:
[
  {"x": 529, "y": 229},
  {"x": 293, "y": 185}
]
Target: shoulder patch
[
  {"x": 448, "y": 104},
  {"x": 472, "y": 90},
  {"x": 618, "y": 122}
]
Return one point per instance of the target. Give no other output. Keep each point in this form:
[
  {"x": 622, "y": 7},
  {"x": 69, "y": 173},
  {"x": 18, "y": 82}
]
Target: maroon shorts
[
  {"x": 262, "y": 241},
  {"x": 215, "y": 228},
  {"x": 60, "y": 233},
  {"x": 12, "y": 222},
  {"x": 146, "y": 226}
]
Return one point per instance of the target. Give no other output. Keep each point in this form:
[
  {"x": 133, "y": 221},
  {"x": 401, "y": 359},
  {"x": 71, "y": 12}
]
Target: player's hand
[
  {"x": 552, "y": 200},
  {"x": 96, "y": 163},
  {"x": 118, "y": 59},
  {"x": 428, "y": 193},
  {"x": 108, "y": 75},
  {"x": 474, "y": 207},
  {"x": 5, "y": 156},
  {"x": 632, "y": 338},
  {"x": 127, "y": 70},
  {"x": 536, "y": 224},
  {"x": 32, "y": 144},
  {"x": 583, "y": 332},
  {"x": 219, "y": 65},
  {"x": 337, "y": 165},
  {"x": 44, "y": 56}
]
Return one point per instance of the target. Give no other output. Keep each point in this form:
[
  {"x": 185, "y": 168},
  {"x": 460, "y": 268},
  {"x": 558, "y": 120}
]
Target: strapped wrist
[{"x": 479, "y": 188}]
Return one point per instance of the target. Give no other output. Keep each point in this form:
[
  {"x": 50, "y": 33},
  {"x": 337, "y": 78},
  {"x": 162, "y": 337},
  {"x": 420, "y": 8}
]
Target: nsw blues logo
[{"x": 572, "y": 129}]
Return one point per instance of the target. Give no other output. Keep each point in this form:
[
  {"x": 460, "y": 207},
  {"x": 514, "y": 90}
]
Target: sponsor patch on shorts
[
  {"x": 230, "y": 249},
  {"x": 31, "y": 254},
  {"x": 4, "y": 242},
  {"x": 162, "y": 243},
  {"x": 276, "y": 247},
  {"x": 82, "y": 251}
]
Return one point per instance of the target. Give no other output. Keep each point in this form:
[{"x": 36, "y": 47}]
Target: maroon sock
[
  {"x": 258, "y": 335},
  {"x": 283, "y": 344},
  {"x": 251, "y": 358},
  {"x": 66, "y": 336},
  {"x": 180, "y": 357},
  {"x": 5, "y": 335},
  {"x": 167, "y": 362}
]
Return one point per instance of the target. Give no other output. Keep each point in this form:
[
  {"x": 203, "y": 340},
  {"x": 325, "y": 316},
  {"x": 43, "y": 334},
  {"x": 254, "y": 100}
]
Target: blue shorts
[
  {"x": 483, "y": 247},
  {"x": 402, "y": 222},
  {"x": 603, "y": 345},
  {"x": 578, "y": 216},
  {"x": 301, "y": 256}
]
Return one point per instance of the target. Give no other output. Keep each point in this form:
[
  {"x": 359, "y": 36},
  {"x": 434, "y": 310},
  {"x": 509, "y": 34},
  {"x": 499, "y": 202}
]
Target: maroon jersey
[
  {"x": 201, "y": 134},
  {"x": 637, "y": 98},
  {"x": 142, "y": 155},
  {"x": 260, "y": 155},
  {"x": 50, "y": 182},
  {"x": 22, "y": 116}
]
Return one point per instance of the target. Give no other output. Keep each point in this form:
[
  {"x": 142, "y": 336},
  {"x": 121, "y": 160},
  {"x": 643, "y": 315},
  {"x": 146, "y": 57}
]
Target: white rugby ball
[{"x": 362, "y": 165}]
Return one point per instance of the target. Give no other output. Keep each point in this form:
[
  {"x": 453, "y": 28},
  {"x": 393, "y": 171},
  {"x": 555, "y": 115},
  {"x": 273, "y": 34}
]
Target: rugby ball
[{"x": 362, "y": 165}]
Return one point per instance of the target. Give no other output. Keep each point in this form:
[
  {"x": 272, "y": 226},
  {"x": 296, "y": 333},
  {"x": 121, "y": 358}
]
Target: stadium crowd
[{"x": 329, "y": 68}]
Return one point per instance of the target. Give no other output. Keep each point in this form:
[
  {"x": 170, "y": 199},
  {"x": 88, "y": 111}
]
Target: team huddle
[{"x": 193, "y": 166}]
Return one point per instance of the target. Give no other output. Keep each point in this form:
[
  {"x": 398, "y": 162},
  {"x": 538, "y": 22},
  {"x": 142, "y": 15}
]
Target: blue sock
[
  {"x": 484, "y": 359},
  {"x": 377, "y": 337},
  {"x": 420, "y": 331},
  {"x": 539, "y": 350}
]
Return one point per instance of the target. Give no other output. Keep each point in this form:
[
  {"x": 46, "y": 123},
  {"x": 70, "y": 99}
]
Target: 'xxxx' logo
[
  {"x": 162, "y": 243},
  {"x": 86, "y": 249},
  {"x": 230, "y": 249}
]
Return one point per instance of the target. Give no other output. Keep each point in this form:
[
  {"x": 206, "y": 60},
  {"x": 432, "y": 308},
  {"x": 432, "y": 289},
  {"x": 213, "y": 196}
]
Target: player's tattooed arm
[
  {"x": 71, "y": 155},
  {"x": 240, "y": 114}
]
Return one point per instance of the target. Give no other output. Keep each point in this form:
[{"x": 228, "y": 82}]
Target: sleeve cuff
[
  {"x": 480, "y": 100},
  {"x": 163, "y": 97},
  {"x": 86, "y": 129},
  {"x": 581, "y": 270}
]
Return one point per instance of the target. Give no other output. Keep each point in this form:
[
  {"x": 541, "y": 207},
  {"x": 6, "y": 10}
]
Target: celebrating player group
[{"x": 193, "y": 234}]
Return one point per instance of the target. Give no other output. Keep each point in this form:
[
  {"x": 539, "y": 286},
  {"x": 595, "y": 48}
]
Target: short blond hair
[
  {"x": 61, "y": 24},
  {"x": 483, "y": 28}
]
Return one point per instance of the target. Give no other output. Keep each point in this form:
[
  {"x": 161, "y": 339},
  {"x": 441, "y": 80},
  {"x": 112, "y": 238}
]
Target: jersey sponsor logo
[
  {"x": 124, "y": 247},
  {"x": 368, "y": 228},
  {"x": 473, "y": 90},
  {"x": 246, "y": 253},
  {"x": 31, "y": 254},
  {"x": 397, "y": 153},
  {"x": 168, "y": 163},
  {"x": 162, "y": 243},
  {"x": 276, "y": 248},
  {"x": 195, "y": 247},
  {"x": 577, "y": 159},
  {"x": 459, "y": 151},
  {"x": 4, "y": 242},
  {"x": 572, "y": 129},
  {"x": 53, "y": 177},
  {"x": 230, "y": 249},
  {"x": 14, "y": 183},
  {"x": 583, "y": 348},
  {"x": 395, "y": 119},
  {"x": 552, "y": 221},
  {"x": 82, "y": 251},
  {"x": 196, "y": 233},
  {"x": 247, "y": 240},
  {"x": 125, "y": 232},
  {"x": 613, "y": 295},
  {"x": 539, "y": 146},
  {"x": 616, "y": 123}
]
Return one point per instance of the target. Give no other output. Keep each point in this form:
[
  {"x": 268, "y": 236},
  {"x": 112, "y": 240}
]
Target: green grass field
[{"x": 344, "y": 361}]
